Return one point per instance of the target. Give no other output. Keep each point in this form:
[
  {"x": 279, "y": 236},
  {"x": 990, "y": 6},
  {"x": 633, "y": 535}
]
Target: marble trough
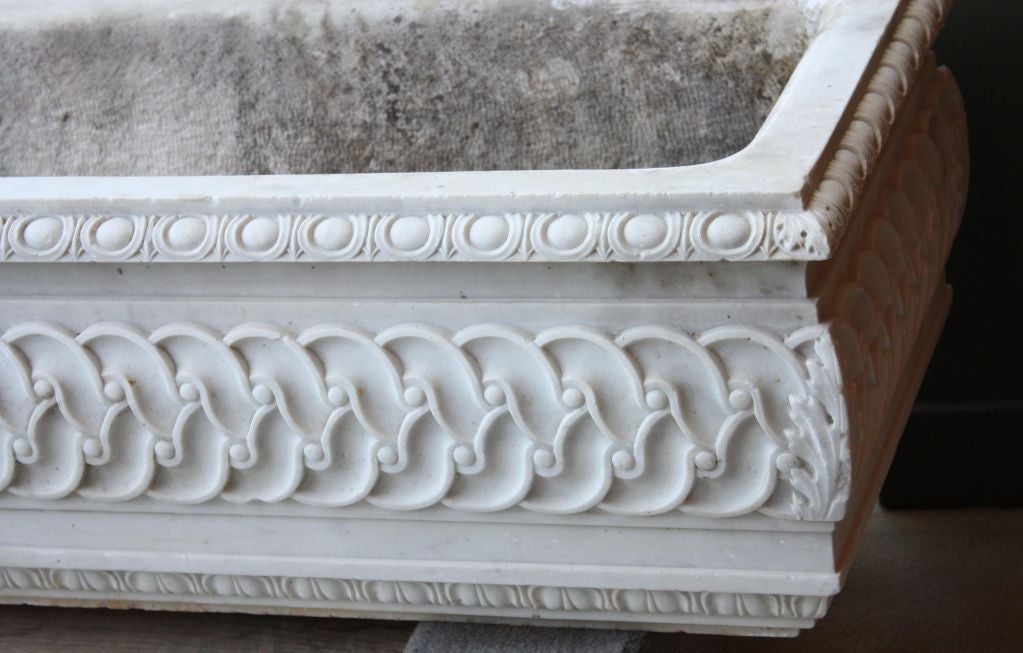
[{"x": 605, "y": 313}]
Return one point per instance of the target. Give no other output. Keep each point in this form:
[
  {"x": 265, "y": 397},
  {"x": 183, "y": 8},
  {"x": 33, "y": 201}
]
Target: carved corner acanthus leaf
[
  {"x": 819, "y": 438},
  {"x": 800, "y": 235}
]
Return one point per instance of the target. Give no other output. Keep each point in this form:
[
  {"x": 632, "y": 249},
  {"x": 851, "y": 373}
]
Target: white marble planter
[{"x": 660, "y": 397}]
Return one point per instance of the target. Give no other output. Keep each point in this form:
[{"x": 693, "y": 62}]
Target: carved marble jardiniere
[{"x": 661, "y": 397}]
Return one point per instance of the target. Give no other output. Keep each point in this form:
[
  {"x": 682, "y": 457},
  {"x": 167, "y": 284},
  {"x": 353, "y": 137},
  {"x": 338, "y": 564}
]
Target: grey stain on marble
[{"x": 508, "y": 85}]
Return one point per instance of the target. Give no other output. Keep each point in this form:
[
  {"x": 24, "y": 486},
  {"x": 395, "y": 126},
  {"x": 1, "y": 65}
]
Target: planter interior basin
[{"x": 208, "y": 88}]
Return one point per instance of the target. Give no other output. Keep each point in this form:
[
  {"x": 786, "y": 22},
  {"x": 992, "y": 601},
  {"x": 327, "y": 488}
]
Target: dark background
[{"x": 963, "y": 444}]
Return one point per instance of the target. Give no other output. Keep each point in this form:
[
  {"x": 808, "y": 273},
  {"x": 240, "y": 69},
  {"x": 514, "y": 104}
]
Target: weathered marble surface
[{"x": 295, "y": 87}]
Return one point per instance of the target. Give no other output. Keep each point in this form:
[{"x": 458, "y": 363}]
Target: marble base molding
[{"x": 331, "y": 596}]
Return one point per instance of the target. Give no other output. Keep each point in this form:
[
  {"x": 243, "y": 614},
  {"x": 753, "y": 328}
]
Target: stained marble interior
[{"x": 418, "y": 85}]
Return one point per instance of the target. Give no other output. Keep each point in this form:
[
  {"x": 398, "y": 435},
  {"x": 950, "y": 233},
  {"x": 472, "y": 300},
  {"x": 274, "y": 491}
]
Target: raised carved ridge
[
  {"x": 837, "y": 195},
  {"x": 898, "y": 263},
  {"x": 585, "y": 236},
  {"x": 380, "y": 595},
  {"x": 885, "y": 293},
  {"x": 562, "y": 421}
]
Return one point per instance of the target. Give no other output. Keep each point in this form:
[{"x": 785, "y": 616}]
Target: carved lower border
[{"x": 375, "y": 595}]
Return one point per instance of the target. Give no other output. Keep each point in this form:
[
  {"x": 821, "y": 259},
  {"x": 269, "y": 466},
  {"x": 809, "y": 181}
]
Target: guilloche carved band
[{"x": 562, "y": 421}]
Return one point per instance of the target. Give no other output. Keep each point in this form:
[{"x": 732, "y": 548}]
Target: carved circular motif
[
  {"x": 22, "y": 448},
  {"x": 489, "y": 232},
  {"x": 657, "y": 400},
  {"x": 110, "y": 238},
  {"x": 43, "y": 233},
  {"x": 92, "y": 447},
  {"x": 263, "y": 394},
  {"x": 188, "y": 392},
  {"x": 257, "y": 237},
  {"x": 567, "y": 231},
  {"x": 414, "y": 396},
  {"x": 464, "y": 455},
  {"x": 543, "y": 458},
  {"x": 115, "y": 233},
  {"x": 43, "y": 389},
  {"x": 494, "y": 395},
  {"x": 164, "y": 449},
  {"x": 186, "y": 233},
  {"x": 740, "y": 399},
  {"x": 409, "y": 233},
  {"x": 113, "y": 391},
  {"x": 337, "y": 396},
  {"x": 334, "y": 237},
  {"x": 727, "y": 235},
  {"x": 41, "y": 238},
  {"x": 184, "y": 237},
  {"x": 238, "y": 453},
  {"x": 645, "y": 231},
  {"x": 623, "y": 460},
  {"x": 728, "y": 231},
  {"x": 313, "y": 452},
  {"x": 408, "y": 237},
  {"x": 573, "y": 398},
  {"x": 644, "y": 237},
  {"x": 387, "y": 455},
  {"x": 485, "y": 237},
  {"x": 260, "y": 234},
  {"x": 706, "y": 460},
  {"x": 332, "y": 234}
]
